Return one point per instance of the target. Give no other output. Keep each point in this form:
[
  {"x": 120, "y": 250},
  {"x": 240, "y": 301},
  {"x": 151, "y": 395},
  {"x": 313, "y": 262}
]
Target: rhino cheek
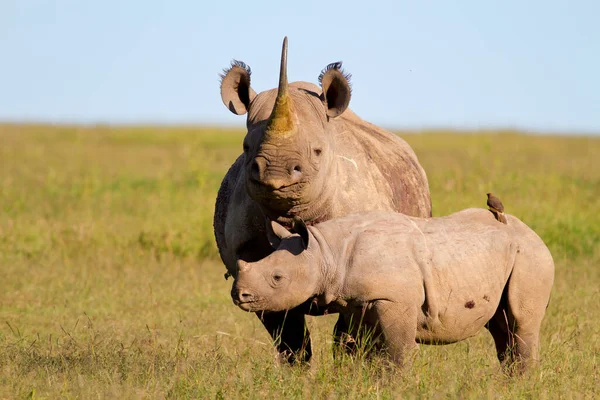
[{"x": 282, "y": 301}]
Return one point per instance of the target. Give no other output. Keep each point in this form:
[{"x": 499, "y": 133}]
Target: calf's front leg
[{"x": 398, "y": 325}]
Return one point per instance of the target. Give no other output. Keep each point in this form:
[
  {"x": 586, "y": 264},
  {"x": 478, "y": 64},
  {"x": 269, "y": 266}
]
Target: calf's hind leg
[
  {"x": 516, "y": 325},
  {"x": 516, "y": 338}
]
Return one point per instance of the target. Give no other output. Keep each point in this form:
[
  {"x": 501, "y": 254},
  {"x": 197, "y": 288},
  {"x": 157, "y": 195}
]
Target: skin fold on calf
[
  {"x": 306, "y": 155},
  {"x": 412, "y": 280}
]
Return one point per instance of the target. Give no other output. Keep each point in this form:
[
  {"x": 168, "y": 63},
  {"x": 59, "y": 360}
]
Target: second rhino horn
[
  {"x": 243, "y": 265},
  {"x": 281, "y": 120}
]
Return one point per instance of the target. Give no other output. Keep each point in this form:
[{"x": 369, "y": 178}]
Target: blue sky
[{"x": 528, "y": 64}]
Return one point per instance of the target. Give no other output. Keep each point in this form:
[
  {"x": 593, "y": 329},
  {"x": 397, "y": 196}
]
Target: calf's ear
[
  {"x": 236, "y": 92},
  {"x": 276, "y": 233},
  {"x": 300, "y": 228}
]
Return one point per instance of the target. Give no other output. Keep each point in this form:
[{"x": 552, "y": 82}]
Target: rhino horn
[
  {"x": 243, "y": 266},
  {"x": 281, "y": 120}
]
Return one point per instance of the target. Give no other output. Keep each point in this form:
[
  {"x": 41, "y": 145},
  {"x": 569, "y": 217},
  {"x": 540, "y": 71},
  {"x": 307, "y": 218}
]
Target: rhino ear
[
  {"x": 336, "y": 89},
  {"x": 300, "y": 228},
  {"x": 236, "y": 92},
  {"x": 276, "y": 233}
]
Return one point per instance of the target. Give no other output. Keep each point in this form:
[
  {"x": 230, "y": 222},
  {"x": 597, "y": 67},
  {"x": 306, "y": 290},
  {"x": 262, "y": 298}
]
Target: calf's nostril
[{"x": 245, "y": 296}]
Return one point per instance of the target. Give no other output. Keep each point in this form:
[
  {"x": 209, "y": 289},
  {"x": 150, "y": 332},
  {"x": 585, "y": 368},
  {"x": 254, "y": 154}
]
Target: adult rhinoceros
[{"x": 306, "y": 155}]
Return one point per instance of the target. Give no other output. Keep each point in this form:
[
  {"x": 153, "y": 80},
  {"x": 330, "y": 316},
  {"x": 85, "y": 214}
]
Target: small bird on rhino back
[{"x": 496, "y": 207}]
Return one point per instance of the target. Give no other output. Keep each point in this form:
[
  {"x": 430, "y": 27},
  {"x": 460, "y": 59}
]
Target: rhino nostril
[
  {"x": 245, "y": 296},
  {"x": 255, "y": 170},
  {"x": 296, "y": 173}
]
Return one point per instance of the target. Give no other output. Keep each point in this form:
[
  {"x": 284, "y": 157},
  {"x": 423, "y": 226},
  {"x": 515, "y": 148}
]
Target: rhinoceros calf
[{"x": 426, "y": 280}]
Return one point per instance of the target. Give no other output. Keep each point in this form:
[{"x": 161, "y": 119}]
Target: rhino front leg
[
  {"x": 342, "y": 338},
  {"x": 288, "y": 328},
  {"x": 290, "y": 334},
  {"x": 398, "y": 324}
]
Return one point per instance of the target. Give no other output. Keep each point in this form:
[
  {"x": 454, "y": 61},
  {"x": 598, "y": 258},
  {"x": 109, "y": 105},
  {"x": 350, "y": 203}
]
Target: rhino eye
[
  {"x": 277, "y": 278},
  {"x": 317, "y": 152}
]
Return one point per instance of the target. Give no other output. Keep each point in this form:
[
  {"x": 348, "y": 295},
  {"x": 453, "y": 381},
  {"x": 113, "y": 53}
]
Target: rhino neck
[{"x": 328, "y": 264}]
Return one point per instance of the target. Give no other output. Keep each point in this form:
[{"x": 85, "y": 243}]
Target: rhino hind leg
[
  {"x": 516, "y": 325},
  {"x": 516, "y": 340},
  {"x": 290, "y": 334},
  {"x": 498, "y": 327}
]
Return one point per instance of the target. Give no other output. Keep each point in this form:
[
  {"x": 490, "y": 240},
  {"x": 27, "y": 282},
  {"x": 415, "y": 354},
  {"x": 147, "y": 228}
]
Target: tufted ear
[
  {"x": 276, "y": 233},
  {"x": 236, "y": 92},
  {"x": 336, "y": 89}
]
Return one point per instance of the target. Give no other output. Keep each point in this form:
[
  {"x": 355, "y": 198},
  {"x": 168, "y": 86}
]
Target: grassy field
[{"x": 111, "y": 286}]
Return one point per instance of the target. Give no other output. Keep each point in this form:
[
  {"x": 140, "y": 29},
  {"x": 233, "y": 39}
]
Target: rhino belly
[{"x": 461, "y": 316}]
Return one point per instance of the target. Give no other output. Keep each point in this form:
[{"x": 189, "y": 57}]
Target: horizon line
[{"x": 489, "y": 129}]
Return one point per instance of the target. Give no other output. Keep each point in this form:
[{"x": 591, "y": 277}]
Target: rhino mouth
[
  {"x": 281, "y": 199},
  {"x": 285, "y": 191},
  {"x": 248, "y": 306}
]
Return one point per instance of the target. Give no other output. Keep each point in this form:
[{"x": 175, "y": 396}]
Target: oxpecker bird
[{"x": 496, "y": 207}]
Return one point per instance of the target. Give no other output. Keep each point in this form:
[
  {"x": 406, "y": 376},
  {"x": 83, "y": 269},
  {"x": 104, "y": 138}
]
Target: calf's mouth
[
  {"x": 244, "y": 299},
  {"x": 247, "y": 306}
]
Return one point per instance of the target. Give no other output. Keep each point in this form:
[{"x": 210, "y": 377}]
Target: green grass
[{"x": 111, "y": 285}]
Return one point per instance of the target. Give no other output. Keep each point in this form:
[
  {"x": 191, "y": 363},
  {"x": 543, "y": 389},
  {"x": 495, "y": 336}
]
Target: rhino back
[
  {"x": 370, "y": 153},
  {"x": 453, "y": 268}
]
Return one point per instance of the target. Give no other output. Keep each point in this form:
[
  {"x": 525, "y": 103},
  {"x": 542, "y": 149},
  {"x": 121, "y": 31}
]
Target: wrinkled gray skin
[
  {"x": 434, "y": 281},
  {"x": 312, "y": 157}
]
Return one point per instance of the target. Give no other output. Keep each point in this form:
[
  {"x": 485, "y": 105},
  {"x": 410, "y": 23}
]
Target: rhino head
[
  {"x": 289, "y": 149},
  {"x": 284, "y": 279}
]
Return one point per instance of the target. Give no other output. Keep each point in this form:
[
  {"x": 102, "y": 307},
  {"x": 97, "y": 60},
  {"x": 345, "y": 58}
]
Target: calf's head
[
  {"x": 284, "y": 279},
  {"x": 289, "y": 149}
]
